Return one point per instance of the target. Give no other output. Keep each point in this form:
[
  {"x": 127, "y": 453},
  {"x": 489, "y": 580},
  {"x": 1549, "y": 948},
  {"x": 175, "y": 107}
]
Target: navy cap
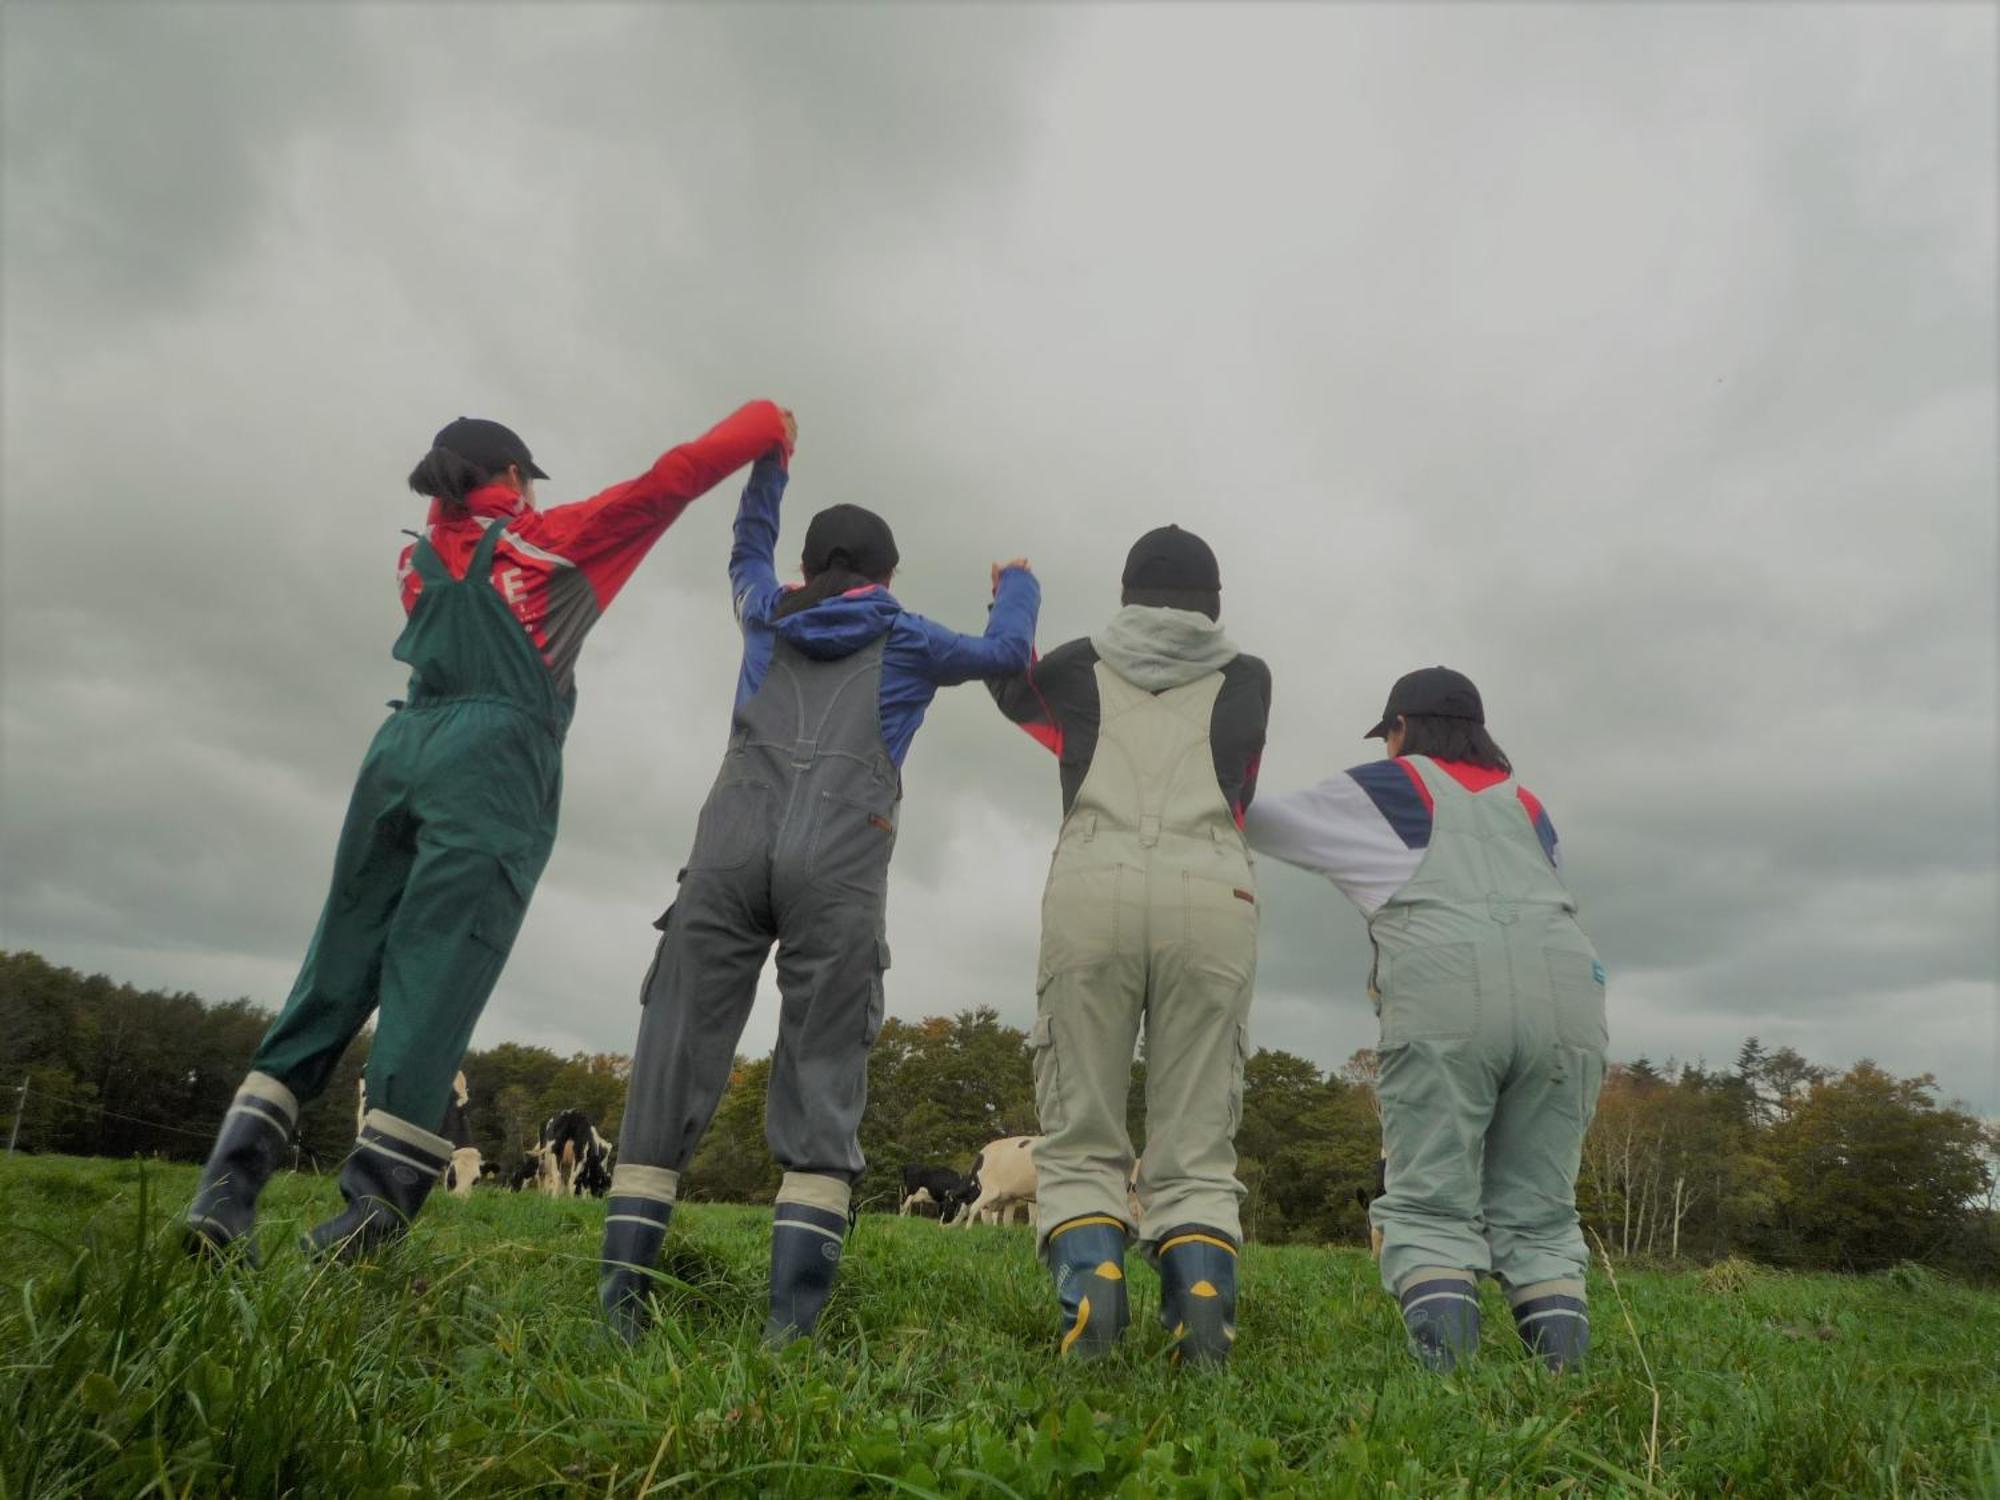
[
  {"x": 487, "y": 445},
  {"x": 1169, "y": 558},
  {"x": 1430, "y": 692},
  {"x": 855, "y": 533}
]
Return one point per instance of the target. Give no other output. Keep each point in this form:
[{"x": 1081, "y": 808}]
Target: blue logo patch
[{"x": 1597, "y": 971}]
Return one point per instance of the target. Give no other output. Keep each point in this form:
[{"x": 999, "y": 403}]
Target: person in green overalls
[
  {"x": 1492, "y": 1010},
  {"x": 453, "y": 815}
]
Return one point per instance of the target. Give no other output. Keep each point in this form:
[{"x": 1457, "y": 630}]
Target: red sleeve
[
  {"x": 608, "y": 535},
  {"x": 409, "y": 582}
]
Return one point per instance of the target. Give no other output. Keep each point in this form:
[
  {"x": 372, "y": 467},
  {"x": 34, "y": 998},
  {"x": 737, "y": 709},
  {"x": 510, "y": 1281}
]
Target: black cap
[
  {"x": 854, "y": 533},
  {"x": 1433, "y": 692},
  {"x": 1169, "y": 558},
  {"x": 486, "y": 445}
]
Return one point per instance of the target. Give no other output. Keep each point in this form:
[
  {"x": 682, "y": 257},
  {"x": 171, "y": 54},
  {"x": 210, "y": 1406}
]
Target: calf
[
  {"x": 939, "y": 1186},
  {"x": 1002, "y": 1179},
  {"x": 529, "y": 1170}
]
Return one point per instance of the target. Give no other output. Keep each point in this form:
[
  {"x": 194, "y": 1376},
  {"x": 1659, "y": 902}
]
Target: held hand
[
  {"x": 791, "y": 429},
  {"x": 999, "y": 568}
]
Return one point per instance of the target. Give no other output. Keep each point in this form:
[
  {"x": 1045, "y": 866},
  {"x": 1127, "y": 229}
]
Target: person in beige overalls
[
  {"x": 1149, "y": 918},
  {"x": 1492, "y": 1009}
]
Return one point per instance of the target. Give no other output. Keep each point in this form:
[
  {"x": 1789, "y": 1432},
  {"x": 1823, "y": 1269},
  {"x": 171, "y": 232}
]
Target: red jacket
[{"x": 559, "y": 569}]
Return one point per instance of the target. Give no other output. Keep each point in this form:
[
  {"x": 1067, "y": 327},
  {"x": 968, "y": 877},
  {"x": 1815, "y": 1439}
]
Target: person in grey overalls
[
  {"x": 792, "y": 848},
  {"x": 1492, "y": 1011}
]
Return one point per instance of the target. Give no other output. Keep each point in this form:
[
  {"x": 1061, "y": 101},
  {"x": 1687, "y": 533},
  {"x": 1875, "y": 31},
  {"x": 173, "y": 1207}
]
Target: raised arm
[
  {"x": 1009, "y": 642},
  {"x": 753, "y": 570},
  {"x": 609, "y": 534}
]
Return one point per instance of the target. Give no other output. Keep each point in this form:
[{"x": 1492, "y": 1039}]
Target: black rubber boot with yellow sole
[
  {"x": 1197, "y": 1268},
  {"x": 1087, "y": 1257}
]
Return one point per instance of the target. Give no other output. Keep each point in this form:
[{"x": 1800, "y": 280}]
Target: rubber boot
[
  {"x": 635, "y": 1227},
  {"x": 1555, "y": 1325},
  {"x": 392, "y": 1169},
  {"x": 1441, "y": 1313},
  {"x": 806, "y": 1241},
  {"x": 1197, "y": 1268},
  {"x": 1087, "y": 1258},
  {"x": 255, "y": 1138}
]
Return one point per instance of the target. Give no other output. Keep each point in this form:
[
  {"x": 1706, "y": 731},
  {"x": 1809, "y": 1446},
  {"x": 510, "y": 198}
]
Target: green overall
[
  {"x": 450, "y": 825},
  {"x": 1493, "y": 1042}
]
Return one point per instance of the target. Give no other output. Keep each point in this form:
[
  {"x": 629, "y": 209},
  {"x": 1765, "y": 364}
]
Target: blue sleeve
[
  {"x": 753, "y": 573},
  {"x": 1007, "y": 647}
]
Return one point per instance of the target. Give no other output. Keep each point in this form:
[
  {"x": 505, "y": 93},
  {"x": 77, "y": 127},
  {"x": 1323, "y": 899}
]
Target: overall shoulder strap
[{"x": 481, "y": 565}]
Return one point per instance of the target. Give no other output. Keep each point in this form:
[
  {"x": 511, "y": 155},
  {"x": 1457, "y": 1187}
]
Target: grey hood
[{"x": 1157, "y": 649}]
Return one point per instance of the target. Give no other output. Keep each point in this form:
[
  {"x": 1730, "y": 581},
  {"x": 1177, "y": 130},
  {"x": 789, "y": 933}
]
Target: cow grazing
[
  {"x": 1002, "y": 1179},
  {"x": 575, "y": 1159},
  {"x": 1366, "y": 1198},
  {"x": 924, "y": 1187},
  {"x": 527, "y": 1171}
]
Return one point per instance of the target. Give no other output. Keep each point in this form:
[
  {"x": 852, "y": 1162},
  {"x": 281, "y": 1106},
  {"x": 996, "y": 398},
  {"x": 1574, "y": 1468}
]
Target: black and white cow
[
  {"x": 575, "y": 1159},
  {"x": 527, "y": 1172},
  {"x": 931, "y": 1187},
  {"x": 1002, "y": 1179}
]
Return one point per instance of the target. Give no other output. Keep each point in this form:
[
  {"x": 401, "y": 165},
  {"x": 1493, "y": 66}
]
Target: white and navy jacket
[{"x": 1367, "y": 829}]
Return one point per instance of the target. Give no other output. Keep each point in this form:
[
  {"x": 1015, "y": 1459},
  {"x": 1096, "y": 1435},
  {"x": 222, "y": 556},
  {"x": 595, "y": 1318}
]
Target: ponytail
[{"x": 445, "y": 475}]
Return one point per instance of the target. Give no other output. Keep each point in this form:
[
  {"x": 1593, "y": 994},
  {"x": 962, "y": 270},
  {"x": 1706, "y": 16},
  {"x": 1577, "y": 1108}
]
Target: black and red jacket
[
  {"x": 1055, "y": 700},
  {"x": 559, "y": 569}
]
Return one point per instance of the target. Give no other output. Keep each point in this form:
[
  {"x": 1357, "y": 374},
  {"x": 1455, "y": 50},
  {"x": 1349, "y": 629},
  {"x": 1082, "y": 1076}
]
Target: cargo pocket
[
  {"x": 1576, "y": 990},
  {"x": 498, "y": 921},
  {"x": 878, "y": 995},
  {"x": 1429, "y": 994},
  {"x": 733, "y": 826},
  {"x": 1236, "y": 1082},
  {"x": 852, "y": 840},
  {"x": 1048, "y": 1074},
  {"x": 665, "y": 927}
]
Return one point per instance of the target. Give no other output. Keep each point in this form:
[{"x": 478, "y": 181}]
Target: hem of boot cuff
[
  {"x": 387, "y": 1124},
  {"x": 1568, "y": 1286},
  {"x": 659, "y": 1184},
  {"x": 815, "y": 1190},
  {"x": 264, "y": 1086}
]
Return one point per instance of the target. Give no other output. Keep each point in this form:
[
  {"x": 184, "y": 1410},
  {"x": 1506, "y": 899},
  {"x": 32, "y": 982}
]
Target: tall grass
[{"x": 470, "y": 1362}]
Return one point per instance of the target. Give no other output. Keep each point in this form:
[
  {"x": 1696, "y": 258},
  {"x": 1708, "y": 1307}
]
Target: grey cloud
[{"x": 1639, "y": 361}]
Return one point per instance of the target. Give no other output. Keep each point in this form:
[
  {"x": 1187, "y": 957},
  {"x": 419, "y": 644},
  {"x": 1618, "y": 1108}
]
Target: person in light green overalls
[
  {"x": 452, "y": 817},
  {"x": 1492, "y": 1012}
]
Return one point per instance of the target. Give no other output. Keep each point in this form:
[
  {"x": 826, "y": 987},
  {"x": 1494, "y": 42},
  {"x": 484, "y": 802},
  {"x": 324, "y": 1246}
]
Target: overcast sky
[{"x": 1637, "y": 360}]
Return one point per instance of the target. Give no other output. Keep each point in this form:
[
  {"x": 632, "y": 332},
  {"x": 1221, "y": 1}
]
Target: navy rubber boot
[
  {"x": 1087, "y": 1258},
  {"x": 392, "y": 1169},
  {"x": 634, "y": 1231},
  {"x": 1556, "y": 1329},
  {"x": 1197, "y": 1268},
  {"x": 255, "y": 1139},
  {"x": 805, "y": 1258},
  {"x": 1442, "y": 1315}
]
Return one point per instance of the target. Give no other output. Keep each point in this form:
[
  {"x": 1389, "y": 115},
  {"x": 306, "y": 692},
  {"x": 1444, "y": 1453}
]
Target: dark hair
[
  {"x": 1198, "y": 601},
  {"x": 828, "y": 582},
  {"x": 447, "y": 476},
  {"x": 1453, "y": 739}
]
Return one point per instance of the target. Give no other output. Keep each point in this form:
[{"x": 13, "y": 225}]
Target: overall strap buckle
[
  {"x": 804, "y": 752},
  {"x": 1149, "y": 830}
]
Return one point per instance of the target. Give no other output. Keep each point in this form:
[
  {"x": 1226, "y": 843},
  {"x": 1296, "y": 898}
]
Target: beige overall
[{"x": 1150, "y": 914}]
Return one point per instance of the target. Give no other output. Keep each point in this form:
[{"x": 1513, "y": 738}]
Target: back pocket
[
  {"x": 1576, "y": 988},
  {"x": 1429, "y": 994},
  {"x": 733, "y": 826},
  {"x": 853, "y": 838}
]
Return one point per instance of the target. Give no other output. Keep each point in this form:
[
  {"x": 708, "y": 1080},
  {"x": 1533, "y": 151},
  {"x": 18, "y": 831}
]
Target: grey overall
[{"x": 792, "y": 847}]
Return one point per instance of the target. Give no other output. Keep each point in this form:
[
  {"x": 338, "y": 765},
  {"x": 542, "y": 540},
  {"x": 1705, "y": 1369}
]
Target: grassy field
[{"x": 469, "y": 1362}]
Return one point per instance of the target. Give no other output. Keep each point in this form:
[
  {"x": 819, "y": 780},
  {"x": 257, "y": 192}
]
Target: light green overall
[
  {"x": 1150, "y": 914},
  {"x": 1493, "y": 1041}
]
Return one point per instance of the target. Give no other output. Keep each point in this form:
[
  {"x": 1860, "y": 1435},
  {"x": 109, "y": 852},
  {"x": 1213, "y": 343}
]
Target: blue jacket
[{"x": 919, "y": 658}]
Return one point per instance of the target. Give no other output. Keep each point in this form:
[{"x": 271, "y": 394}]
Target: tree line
[{"x": 1775, "y": 1158}]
